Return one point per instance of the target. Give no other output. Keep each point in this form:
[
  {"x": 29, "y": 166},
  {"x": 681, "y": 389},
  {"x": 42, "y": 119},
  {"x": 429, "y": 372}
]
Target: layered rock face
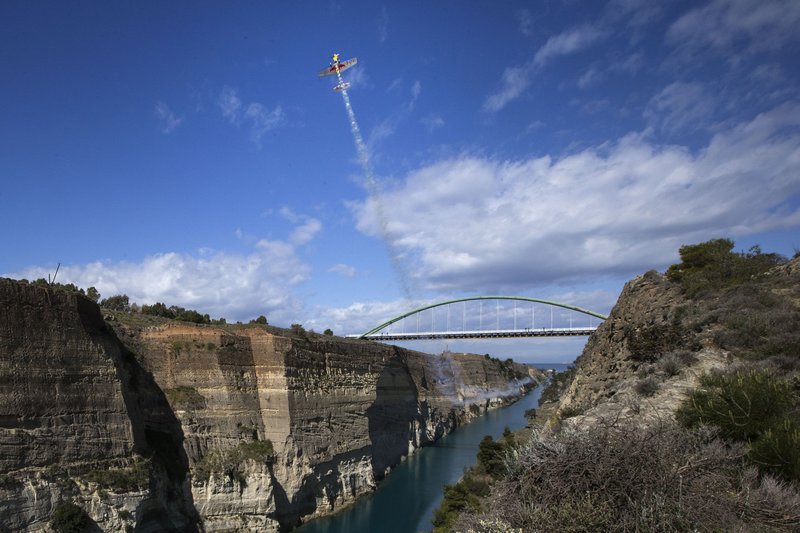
[
  {"x": 73, "y": 401},
  {"x": 241, "y": 428},
  {"x": 339, "y": 413}
]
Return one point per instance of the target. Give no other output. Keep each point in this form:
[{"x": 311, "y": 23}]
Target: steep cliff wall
[
  {"x": 164, "y": 425},
  {"x": 73, "y": 403},
  {"x": 339, "y": 413}
]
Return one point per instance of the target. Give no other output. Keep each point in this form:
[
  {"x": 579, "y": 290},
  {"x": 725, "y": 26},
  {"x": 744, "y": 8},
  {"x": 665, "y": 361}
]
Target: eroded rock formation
[{"x": 235, "y": 427}]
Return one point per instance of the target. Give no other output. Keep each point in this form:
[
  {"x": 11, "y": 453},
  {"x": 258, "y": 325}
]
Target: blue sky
[{"x": 188, "y": 152}]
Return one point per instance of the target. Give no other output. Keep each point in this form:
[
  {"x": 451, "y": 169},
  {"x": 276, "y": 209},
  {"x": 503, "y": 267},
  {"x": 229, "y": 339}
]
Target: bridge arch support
[{"x": 477, "y": 298}]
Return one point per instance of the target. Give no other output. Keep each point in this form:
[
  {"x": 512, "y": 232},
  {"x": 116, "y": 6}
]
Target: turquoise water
[{"x": 406, "y": 499}]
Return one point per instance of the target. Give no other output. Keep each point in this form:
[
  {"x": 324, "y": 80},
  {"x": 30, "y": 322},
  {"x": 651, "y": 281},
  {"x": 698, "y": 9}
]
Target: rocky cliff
[
  {"x": 657, "y": 342},
  {"x": 622, "y": 450},
  {"x": 75, "y": 404},
  {"x": 155, "y": 424}
]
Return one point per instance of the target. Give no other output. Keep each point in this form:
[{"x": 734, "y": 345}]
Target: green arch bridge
[{"x": 542, "y": 330}]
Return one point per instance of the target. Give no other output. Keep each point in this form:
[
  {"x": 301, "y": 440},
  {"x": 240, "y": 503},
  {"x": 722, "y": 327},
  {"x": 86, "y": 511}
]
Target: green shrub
[
  {"x": 570, "y": 411},
  {"x": 713, "y": 265},
  {"x": 185, "y": 398},
  {"x": 158, "y": 309},
  {"x": 755, "y": 407},
  {"x": 68, "y": 518},
  {"x": 477, "y": 485},
  {"x": 257, "y": 450},
  {"x": 457, "y": 498},
  {"x": 119, "y": 302},
  {"x": 777, "y": 451},
  {"x": 491, "y": 456},
  {"x": 230, "y": 462},
  {"x": 671, "y": 365},
  {"x": 742, "y": 405},
  {"x": 133, "y": 478},
  {"x": 647, "y": 386}
]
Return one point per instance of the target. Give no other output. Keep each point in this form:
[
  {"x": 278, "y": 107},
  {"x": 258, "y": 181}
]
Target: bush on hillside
[
  {"x": 713, "y": 265},
  {"x": 68, "y": 518},
  {"x": 629, "y": 478},
  {"x": 647, "y": 386},
  {"x": 742, "y": 405},
  {"x": 492, "y": 455},
  {"x": 119, "y": 302},
  {"x": 457, "y": 498},
  {"x": 754, "y": 407}
]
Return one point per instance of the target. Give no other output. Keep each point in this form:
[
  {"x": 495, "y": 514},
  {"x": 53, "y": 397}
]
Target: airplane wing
[{"x": 344, "y": 65}]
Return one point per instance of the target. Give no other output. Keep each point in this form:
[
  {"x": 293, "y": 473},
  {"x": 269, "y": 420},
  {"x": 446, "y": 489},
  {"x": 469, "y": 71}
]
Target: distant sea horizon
[{"x": 558, "y": 367}]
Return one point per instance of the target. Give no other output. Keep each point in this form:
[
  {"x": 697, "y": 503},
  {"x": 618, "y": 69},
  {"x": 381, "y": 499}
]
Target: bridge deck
[{"x": 489, "y": 334}]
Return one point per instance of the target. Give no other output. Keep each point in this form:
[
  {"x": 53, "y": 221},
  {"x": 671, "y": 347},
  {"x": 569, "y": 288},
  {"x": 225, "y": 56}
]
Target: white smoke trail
[{"x": 372, "y": 191}]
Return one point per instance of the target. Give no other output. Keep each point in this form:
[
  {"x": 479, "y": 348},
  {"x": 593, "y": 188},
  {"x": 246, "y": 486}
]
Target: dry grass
[{"x": 626, "y": 478}]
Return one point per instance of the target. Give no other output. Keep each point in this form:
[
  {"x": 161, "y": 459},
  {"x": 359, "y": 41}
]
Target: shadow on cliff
[
  {"x": 157, "y": 432},
  {"x": 394, "y": 417}
]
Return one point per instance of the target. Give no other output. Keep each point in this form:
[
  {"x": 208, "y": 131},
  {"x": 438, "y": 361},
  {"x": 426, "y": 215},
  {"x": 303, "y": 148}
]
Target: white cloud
[
  {"x": 257, "y": 115},
  {"x": 383, "y": 25},
  {"x": 357, "y": 77},
  {"x": 630, "y": 64},
  {"x": 566, "y": 43},
  {"x": 433, "y": 121},
  {"x": 525, "y": 22},
  {"x": 262, "y": 120},
  {"x": 341, "y": 269},
  {"x": 635, "y": 13},
  {"x": 230, "y": 104},
  {"x": 680, "y": 107},
  {"x": 305, "y": 232},
  {"x": 416, "y": 89},
  {"x": 237, "y": 287},
  {"x": 590, "y": 76},
  {"x": 222, "y": 284},
  {"x": 394, "y": 85},
  {"x": 624, "y": 207},
  {"x": 358, "y": 317},
  {"x": 721, "y": 24},
  {"x": 166, "y": 118},
  {"x": 516, "y": 79}
]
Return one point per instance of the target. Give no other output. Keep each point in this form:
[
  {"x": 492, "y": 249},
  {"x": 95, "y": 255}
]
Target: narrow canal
[{"x": 406, "y": 499}]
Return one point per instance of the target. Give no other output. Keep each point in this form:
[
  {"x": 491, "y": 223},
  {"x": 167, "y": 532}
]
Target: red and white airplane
[{"x": 337, "y": 67}]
